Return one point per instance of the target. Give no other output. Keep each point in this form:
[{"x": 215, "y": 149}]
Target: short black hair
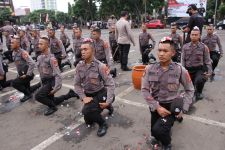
[
  {"x": 168, "y": 40},
  {"x": 97, "y": 30},
  {"x": 79, "y": 28},
  {"x": 193, "y": 6},
  {"x": 124, "y": 13}
]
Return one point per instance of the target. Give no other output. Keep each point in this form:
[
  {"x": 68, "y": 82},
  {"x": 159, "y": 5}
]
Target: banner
[{"x": 178, "y": 8}]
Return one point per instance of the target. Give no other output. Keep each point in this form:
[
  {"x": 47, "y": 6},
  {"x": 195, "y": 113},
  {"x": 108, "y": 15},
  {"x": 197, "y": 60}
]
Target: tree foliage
[{"x": 5, "y": 14}]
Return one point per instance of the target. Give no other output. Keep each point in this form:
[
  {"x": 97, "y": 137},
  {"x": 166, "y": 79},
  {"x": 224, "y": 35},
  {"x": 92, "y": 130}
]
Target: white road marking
[{"x": 59, "y": 135}]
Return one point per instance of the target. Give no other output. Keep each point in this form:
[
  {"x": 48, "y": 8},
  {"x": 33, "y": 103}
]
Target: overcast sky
[{"x": 61, "y": 4}]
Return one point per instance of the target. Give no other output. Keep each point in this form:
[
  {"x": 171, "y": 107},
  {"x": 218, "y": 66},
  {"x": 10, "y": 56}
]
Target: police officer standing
[
  {"x": 102, "y": 51},
  {"x": 95, "y": 87},
  {"x": 195, "y": 20},
  {"x": 8, "y": 27},
  {"x": 160, "y": 89},
  {"x": 114, "y": 45},
  {"x": 196, "y": 59},
  {"x": 124, "y": 38},
  {"x": 77, "y": 41},
  {"x": 144, "y": 38},
  {"x": 25, "y": 67},
  {"x": 211, "y": 40},
  {"x": 24, "y": 42},
  {"x": 111, "y": 22},
  {"x": 8, "y": 53},
  {"x": 34, "y": 42},
  {"x": 64, "y": 38},
  {"x": 178, "y": 42},
  {"x": 51, "y": 79},
  {"x": 56, "y": 47}
]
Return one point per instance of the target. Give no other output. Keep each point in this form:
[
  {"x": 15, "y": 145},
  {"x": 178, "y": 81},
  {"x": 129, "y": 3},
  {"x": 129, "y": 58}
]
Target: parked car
[
  {"x": 220, "y": 26},
  {"x": 155, "y": 24},
  {"x": 40, "y": 26},
  {"x": 182, "y": 22}
]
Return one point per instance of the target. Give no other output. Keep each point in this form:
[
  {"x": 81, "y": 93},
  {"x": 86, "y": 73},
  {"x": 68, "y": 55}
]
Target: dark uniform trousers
[
  {"x": 43, "y": 96},
  {"x": 4, "y": 83},
  {"x": 92, "y": 111},
  {"x": 115, "y": 51},
  {"x": 161, "y": 126},
  {"x": 215, "y": 56},
  {"x": 124, "y": 51},
  {"x": 197, "y": 76},
  {"x": 144, "y": 53},
  {"x": 8, "y": 54},
  {"x": 23, "y": 84}
]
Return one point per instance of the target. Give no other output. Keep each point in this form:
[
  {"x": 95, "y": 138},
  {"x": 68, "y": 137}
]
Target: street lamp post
[{"x": 145, "y": 10}]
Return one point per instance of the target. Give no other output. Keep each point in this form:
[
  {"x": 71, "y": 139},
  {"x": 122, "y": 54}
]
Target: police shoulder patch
[
  {"x": 25, "y": 54},
  {"x": 106, "y": 45},
  {"x": 106, "y": 69},
  {"x": 54, "y": 62}
]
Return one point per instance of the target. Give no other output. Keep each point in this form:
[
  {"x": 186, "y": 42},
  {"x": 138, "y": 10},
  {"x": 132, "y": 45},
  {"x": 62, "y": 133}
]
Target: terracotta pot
[{"x": 137, "y": 74}]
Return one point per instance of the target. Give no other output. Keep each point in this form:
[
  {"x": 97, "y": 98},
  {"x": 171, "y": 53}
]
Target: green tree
[
  {"x": 5, "y": 14},
  {"x": 222, "y": 11},
  {"x": 62, "y": 17}
]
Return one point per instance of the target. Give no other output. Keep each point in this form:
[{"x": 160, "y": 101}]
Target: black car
[
  {"x": 182, "y": 22},
  {"x": 220, "y": 26}
]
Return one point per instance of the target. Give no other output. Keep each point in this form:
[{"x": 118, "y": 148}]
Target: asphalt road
[{"x": 24, "y": 127}]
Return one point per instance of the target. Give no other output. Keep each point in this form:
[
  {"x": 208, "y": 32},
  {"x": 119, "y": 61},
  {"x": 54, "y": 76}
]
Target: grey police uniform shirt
[
  {"x": 64, "y": 38},
  {"x": 48, "y": 68},
  {"x": 91, "y": 78},
  {"x": 56, "y": 46},
  {"x": 196, "y": 55},
  {"x": 25, "y": 44},
  {"x": 102, "y": 51},
  {"x": 123, "y": 32},
  {"x": 22, "y": 59},
  {"x": 159, "y": 86},
  {"x": 34, "y": 42},
  {"x": 144, "y": 38},
  {"x": 211, "y": 41},
  {"x": 2, "y": 72},
  {"x": 77, "y": 44},
  {"x": 8, "y": 28},
  {"x": 177, "y": 39}
]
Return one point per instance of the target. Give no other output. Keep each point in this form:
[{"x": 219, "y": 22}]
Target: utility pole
[
  {"x": 215, "y": 13},
  {"x": 145, "y": 1}
]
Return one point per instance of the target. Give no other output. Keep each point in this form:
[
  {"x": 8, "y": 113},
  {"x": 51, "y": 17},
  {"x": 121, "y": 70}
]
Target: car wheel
[
  {"x": 220, "y": 28},
  {"x": 158, "y": 27}
]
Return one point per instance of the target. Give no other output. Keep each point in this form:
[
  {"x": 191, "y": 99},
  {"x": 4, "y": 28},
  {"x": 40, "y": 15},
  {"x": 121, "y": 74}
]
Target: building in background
[
  {"x": 7, "y": 3},
  {"x": 43, "y": 4}
]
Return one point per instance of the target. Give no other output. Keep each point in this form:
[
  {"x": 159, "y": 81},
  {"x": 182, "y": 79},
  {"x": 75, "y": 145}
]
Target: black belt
[
  {"x": 95, "y": 93},
  {"x": 47, "y": 80},
  {"x": 194, "y": 68}
]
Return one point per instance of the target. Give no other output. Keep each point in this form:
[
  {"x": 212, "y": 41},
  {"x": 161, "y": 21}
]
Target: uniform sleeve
[
  {"x": 62, "y": 48},
  {"x": 219, "y": 45},
  {"x": 129, "y": 32},
  {"x": 67, "y": 39},
  {"x": 183, "y": 57},
  {"x": 56, "y": 74},
  {"x": 27, "y": 43},
  {"x": 191, "y": 22},
  {"x": 180, "y": 39},
  {"x": 108, "y": 54},
  {"x": 109, "y": 83},
  {"x": 116, "y": 34},
  {"x": 30, "y": 62},
  {"x": 2, "y": 72},
  {"x": 188, "y": 88},
  {"x": 153, "y": 40},
  {"x": 207, "y": 60},
  {"x": 77, "y": 84},
  {"x": 147, "y": 92}
]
